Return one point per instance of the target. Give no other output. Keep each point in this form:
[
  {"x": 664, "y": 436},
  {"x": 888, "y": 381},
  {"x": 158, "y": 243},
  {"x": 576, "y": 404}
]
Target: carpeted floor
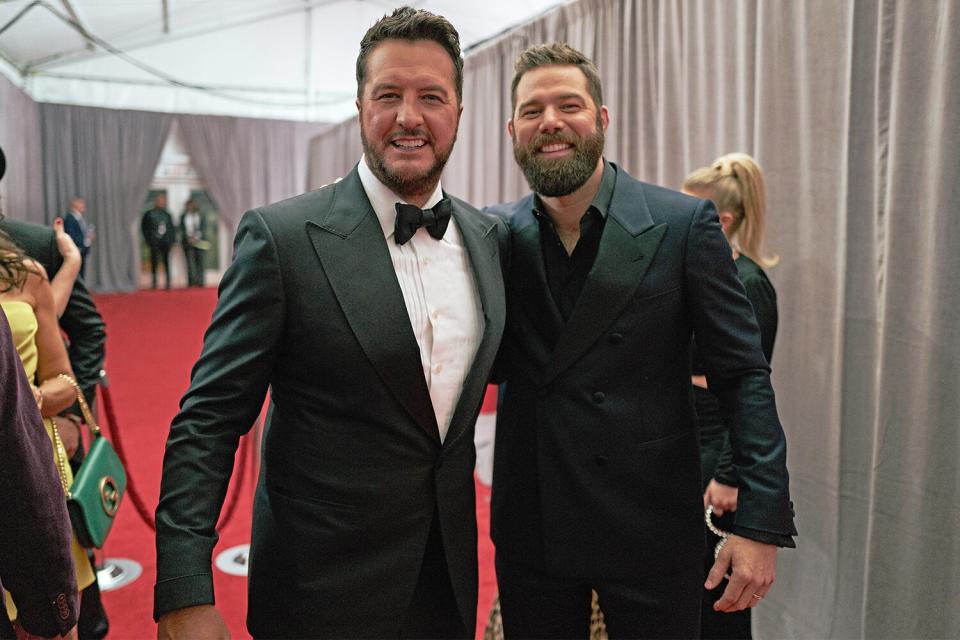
[{"x": 153, "y": 339}]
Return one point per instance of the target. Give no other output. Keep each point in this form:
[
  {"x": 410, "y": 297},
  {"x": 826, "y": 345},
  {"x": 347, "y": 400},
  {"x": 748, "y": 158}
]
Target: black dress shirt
[{"x": 567, "y": 273}]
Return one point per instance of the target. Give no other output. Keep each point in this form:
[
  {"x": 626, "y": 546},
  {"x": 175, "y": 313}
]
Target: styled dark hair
[
  {"x": 559, "y": 53},
  {"x": 407, "y": 23}
]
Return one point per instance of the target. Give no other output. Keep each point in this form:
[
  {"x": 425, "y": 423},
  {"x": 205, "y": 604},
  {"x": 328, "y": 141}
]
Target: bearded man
[
  {"x": 596, "y": 481},
  {"x": 372, "y": 308}
]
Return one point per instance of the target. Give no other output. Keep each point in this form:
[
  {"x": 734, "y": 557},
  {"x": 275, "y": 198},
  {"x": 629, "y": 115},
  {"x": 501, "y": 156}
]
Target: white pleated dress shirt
[{"x": 440, "y": 292}]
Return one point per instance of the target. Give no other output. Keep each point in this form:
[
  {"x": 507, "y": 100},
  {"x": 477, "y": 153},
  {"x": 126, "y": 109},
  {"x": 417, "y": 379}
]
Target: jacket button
[
  {"x": 615, "y": 338},
  {"x": 598, "y": 396},
  {"x": 601, "y": 461}
]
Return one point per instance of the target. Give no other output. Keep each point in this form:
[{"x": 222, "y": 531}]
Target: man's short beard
[
  {"x": 405, "y": 186},
  {"x": 563, "y": 176}
]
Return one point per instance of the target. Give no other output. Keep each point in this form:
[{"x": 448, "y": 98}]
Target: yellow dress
[{"x": 23, "y": 324}]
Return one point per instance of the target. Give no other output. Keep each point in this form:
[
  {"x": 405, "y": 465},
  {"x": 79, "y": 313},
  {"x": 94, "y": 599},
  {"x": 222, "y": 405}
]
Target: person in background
[
  {"x": 80, "y": 230},
  {"x": 735, "y": 184},
  {"x": 372, "y": 309},
  {"x": 159, "y": 234},
  {"x": 85, "y": 330},
  {"x": 193, "y": 236},
  {"x": 596, "y": 480}
]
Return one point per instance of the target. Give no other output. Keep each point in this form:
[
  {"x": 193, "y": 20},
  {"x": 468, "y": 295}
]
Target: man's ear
[
  {"x": 357, "y": 102},
  {"x": 604, "y": 117},
  {"x": 510, "y": 128}
]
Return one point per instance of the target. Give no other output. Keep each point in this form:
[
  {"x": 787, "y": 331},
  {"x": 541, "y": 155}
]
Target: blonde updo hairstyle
[{"x": 735, "y": 184}]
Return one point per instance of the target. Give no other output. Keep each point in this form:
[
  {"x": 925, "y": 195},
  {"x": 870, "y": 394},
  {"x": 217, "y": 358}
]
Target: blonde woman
[{"x": 735, "y": 184}]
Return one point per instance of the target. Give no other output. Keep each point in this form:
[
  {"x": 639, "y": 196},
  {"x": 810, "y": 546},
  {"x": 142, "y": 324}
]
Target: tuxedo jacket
[
  {"x": 36, "y": 563},
  {"x": 596, "y": 465},
  {"x": 201, "y": 229},
  {"x": 353, "y": 469},
  {"x": 81, "y": 320}
]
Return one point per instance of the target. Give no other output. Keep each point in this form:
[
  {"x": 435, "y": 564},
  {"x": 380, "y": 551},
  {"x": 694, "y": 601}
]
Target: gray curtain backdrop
[
  {"x": 247, "y": 162},
  {"x": 108, "y": 157},
  {"x": 21, "y": 190},
  {"x": 853, "y": 109}
]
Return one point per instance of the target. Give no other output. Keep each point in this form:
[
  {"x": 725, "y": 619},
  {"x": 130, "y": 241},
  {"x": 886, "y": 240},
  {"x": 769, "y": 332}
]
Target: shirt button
[
  {"x": 615, "y": 338},
  {"x": 437, "y": 368},
  {"x": 601, "y": 461},
  {"x": 598, "y": 396},
  {"x": 434, "y": 315}
]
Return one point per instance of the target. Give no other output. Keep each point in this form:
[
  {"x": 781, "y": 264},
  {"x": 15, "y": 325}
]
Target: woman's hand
[
  {"x": 69, "y": 434},
  {"x": 37, "y": 395},
  {"x": 723, "y": 497},
  {"x": 68, "y": 249}
]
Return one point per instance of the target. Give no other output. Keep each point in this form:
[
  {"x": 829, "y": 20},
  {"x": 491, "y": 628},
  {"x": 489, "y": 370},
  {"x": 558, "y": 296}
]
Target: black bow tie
[{"x": 410, "y": 218}]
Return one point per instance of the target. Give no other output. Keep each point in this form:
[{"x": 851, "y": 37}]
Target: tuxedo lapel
[
  {"x": 351, "y": 247},
  {"x": 627, "y": 248},
  {"x": 480, "y": 238}
]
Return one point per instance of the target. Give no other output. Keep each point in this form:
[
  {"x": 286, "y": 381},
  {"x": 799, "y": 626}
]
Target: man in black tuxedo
[
  {"x": 596, "y": 470},
  {"x": 375, "y": 325},
  {"x": 193, "y": 237}
]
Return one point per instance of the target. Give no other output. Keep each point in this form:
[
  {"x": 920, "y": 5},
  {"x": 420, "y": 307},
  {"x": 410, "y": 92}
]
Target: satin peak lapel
[
  {"x": 627, "y": 248},
  {"x": 349, "y": 242}
]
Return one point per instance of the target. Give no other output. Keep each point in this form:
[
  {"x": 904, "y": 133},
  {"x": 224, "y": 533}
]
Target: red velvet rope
[{"x": 137, "y": 499}]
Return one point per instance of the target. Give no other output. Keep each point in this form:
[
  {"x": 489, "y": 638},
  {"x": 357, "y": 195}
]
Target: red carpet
[{"x": 153, "y": 339}]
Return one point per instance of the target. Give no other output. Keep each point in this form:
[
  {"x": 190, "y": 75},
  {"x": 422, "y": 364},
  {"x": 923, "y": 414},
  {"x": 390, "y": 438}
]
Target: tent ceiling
[{"x": 277, "y": 59}]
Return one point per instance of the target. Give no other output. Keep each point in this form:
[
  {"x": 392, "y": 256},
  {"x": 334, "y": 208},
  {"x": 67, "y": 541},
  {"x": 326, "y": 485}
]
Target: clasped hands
[{"x": 752, "y": 565}]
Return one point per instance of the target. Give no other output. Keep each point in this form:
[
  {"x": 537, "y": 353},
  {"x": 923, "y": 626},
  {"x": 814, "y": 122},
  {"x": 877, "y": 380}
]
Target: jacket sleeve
[
  {"x": 738, "y": 374},
  {"x": 226, "y": 393},
  {"x": 36, "y": 564}
]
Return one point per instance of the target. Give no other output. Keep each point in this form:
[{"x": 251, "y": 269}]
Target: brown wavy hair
[{"x": 13, "y": 266}]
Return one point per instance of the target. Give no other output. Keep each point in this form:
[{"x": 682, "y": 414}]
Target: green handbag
[{"x": 98, "y": 486}]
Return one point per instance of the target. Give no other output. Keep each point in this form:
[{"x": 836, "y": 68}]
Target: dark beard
[
  {"x": 553, "y": 178},
  {"x": 405, "y": 186}
]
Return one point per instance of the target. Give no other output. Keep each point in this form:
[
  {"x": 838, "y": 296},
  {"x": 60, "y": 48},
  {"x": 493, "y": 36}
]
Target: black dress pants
[
  {"x": 159, "y": 254},
  {"x": 536, "y": 605}
]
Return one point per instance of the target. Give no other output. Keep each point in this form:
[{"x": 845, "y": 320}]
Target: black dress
[{"x": 715, "y": 454}]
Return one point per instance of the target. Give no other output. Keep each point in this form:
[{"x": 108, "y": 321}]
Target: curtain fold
[
  {"x": 853, "y": 110},
  {"x": 247, "y": 162},
  {"x": 21, "y": 190},
  {"x": 108, "y": 157}
]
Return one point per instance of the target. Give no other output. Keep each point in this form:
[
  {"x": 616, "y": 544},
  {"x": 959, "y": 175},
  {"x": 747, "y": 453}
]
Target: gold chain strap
[
  {"x": 61, "y": 456},
  {"x": 58, "y": 443},
  {"x": 84, "y": 408}
]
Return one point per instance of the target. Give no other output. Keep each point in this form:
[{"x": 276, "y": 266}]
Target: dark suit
[
  {"x": 596, "y": 468},
  {"x": 76, "y": 227},
  {"x": 353, "y": 470},
  {"x": 36, "y": 564},
  {"x": 159, "y": 234}
]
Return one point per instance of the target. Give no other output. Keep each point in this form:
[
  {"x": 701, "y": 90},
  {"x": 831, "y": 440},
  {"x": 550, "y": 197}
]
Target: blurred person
[
  {"x": 36, "y": 563},
  {"x": 85, "y": 330},
  {"x": 596, "y": 467},
  {"x": 372, "y": 308},
  {"x": 193, "y": 236},
  {"x": 159, "y": 234},
  {"x": 27, "y": 301},
  {"x": 80, "y": 230},
  {"x": 734, "y": 182}
]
